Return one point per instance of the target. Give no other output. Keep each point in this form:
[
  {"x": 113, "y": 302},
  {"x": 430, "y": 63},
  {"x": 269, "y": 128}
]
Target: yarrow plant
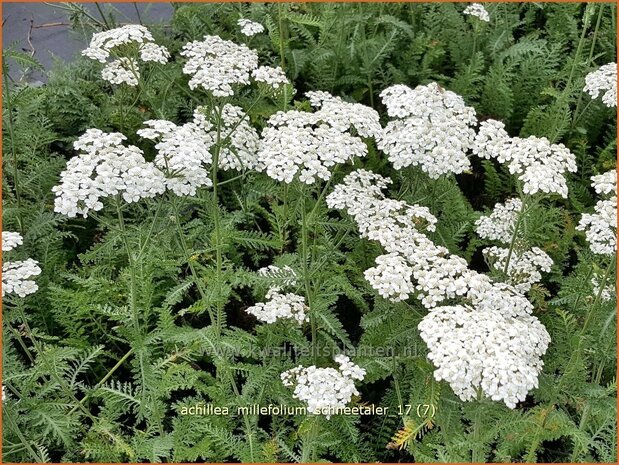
[
  {"x": 468, "y": 355},
  {"x": 404, "y": 233},
  {"x": 433, "y": 129},
  {"x": 477, "y": 10},
  {"x": 306, "y": 145},
  {"x": 250, "y": 28},
  {"x": 126, "y": 45},
  {"x": 325, "y": 390},
  {"x": 17, "y": 275},
  {"x": 105, "y": 168},
  {"x": 539, "y": 165},
  {"x": 601, "y": 227},
  {"x": 280, "y": 307},
  {"x": 604, "y": 81}
]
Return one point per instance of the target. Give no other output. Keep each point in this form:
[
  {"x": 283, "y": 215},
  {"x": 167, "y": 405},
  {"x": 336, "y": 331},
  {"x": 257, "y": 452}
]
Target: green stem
[
  {"x": 308, "y": 452},
  {"x": 588, "y": 319},
  {"x": 589, "y": 59},
  {"x": 216, "y": 216},
  {"x": 194, "y": 273},
  {"x": 151, "y": 229},
  {"x": 567, "y": 89},
  {"x": 20, "y": 339},
  {"x": 306, "y": 276},
  {"x": 521, "y": 215},
  {"x": 477, "y": 449},
  {"x": 581, "y": 427},
  {"x": 121, "y": 108},
  {"x": 177, "y": 84},
  {"x": 105, "y": 378},
  {"x": 396, "y": 383},
  {"x": 282, "y": 56},
  {"x": 132, "y": 266},
  {"x": 23, "y": 439},
  {"x": 102, "y": 15}
]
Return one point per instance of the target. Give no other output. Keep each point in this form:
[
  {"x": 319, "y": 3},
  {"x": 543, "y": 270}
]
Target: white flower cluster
[
  {"x": 304, "y": 144},
  {"x": 510, "y": 365},
  {"x": 601, "y": 227},
  {"x": 217, "y": 64},
  {"x": 603, "y": 80},
  {"x": 184, "y": 152},
  {"x": 16, "y": 276},
  {"x": 10, "y": 240},
  {"x": 346, "y": 115},
  {"x": 540, "y": 165},
  {"x": 271, "y": 76},
  {"x": 391, "y": 277},
  {"x": 433, "y": 129},
  {"x": 477, "y": 10},
  {"x": 485, "y": 349},
  {"x": 523, "y": 269},
  {"x": 121, "y": 71},
  {"x": 105, "y": 168},
  {"x": 499, "y": 225},
  {"x": 325, "y": 390},
  {"x": 115, "y": 42},
  {"x": 281, "y": 307},
  {"x": 250, "y": 28}
]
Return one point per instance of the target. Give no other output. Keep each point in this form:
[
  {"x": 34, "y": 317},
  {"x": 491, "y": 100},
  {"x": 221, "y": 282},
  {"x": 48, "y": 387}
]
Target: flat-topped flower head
[
  {"x": 477, "y": 10},
  {"x": 121, "y": 71},
  {"x": 603, "y": 81},
  {"x": 125, "y": 45},
  {"x": 17, "y": 275},
  {"x": 183, "y": 154},
  {"x": 600, "y": 227},
  {"x": 605, "y": 184},
  {"x": 217, "y": 65},
  {"x": 281, "y": 307},
  {"x": 250, "y": 28},
  {"x": 241, "y": 142},
  {"x": 324, "y": 390},
  {"x": 104, "y": 168},
  {"x": 391, "y": 277},
  {"x": 433, "y": 129},
  {"x": 305, "y": 145},
  {"x": 346, "y": 115},
  {"x": 485, "y": 350},
  {"x": 271, "y": 76},
  {"x": 10, "y": 240},
  {"x": 540, "y": 165}
]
